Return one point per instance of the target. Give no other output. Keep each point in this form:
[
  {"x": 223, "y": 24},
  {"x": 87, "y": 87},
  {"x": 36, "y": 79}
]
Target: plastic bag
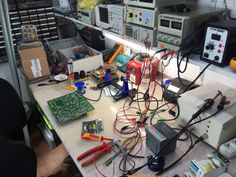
[
  {"x": 85, "y": 4},
  {"x": 94, "y": 126}
]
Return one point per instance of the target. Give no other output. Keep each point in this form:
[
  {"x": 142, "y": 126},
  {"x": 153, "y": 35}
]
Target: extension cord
[{"x": 228, "y": 149}]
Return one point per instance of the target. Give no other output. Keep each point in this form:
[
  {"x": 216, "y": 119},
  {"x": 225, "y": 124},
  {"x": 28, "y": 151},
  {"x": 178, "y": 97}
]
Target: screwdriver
[{"x": 93, "y": 137}]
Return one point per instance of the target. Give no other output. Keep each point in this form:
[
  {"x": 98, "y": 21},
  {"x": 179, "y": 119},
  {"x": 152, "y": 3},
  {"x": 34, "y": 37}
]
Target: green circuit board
[{"x": 70, "y": 106}]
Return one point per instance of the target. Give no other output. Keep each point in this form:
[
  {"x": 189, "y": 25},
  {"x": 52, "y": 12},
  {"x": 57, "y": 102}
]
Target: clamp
[{"x": 124, "y": 90}]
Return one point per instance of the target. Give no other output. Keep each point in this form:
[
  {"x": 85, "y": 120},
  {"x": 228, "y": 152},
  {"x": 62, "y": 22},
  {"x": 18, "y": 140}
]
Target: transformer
[{"x": 141, "y": 66}]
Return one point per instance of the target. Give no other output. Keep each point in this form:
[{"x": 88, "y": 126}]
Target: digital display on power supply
[
  {"x": 165, "y": 23},
  {"x": 216, "y": 37},
  {"x": 176, "y": 25},
  {"x": 103, "y": 14}
]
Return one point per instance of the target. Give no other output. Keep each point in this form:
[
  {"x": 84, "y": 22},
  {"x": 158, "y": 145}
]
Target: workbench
[{"x": 106, "y": 109}]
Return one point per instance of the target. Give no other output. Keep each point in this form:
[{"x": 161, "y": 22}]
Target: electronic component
[
  {"x": 173, "y": 28},
  {"x": 158, "y": 136},
  {"x": 70, "y": 106},
  {"x": 141, "y": 34},
  {"x": 174, "y": 89},
  {"x": 86, "y": 16},
  {"x": 99, "y": 74},
  {"x": 219, "y": 128},
  {"x": 156, "y": 3},
  {"x": 140, "y": 16},
  {"x": 220, "y": 42},
  {"x": 110, "y": 17},
  {"x": 139, "y": 66}
]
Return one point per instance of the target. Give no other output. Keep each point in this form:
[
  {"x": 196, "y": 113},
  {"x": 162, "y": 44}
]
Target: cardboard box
[
  {"x": 34, "y": 60},
  {"x": 86, "y": 64}
]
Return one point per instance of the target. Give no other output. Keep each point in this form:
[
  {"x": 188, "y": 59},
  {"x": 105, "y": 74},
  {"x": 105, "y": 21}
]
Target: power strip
[{"x": 228, "y": 149}]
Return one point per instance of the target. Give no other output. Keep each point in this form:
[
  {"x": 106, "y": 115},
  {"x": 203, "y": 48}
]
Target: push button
[{"x": 206, "y": 55}]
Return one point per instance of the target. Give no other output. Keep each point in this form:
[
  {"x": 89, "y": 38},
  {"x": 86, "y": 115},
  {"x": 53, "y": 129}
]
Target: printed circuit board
[{"x": 70, "y": 106}]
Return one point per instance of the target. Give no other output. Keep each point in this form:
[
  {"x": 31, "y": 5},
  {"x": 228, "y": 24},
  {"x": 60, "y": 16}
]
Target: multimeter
[{"x": 174, "y": 89}]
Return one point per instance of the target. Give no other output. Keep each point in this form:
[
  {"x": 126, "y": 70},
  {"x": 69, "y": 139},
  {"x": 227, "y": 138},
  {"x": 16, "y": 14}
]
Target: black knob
[
  {"x": 216, "y": 58},
  {"x": 210, "y": 47},
  {"x": 130, "y": 15}
]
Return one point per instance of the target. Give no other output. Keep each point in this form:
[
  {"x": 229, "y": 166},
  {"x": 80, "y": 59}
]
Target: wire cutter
[{"x": 98, "y": 152}]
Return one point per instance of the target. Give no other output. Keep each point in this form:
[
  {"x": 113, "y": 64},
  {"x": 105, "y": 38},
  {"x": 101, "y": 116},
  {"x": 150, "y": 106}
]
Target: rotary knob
[
  {"x": 210, "y": 47},
  {"x": 130, "y": 15}
]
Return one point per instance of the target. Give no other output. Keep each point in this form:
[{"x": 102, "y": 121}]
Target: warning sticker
[{"x": 36, "y": 68}]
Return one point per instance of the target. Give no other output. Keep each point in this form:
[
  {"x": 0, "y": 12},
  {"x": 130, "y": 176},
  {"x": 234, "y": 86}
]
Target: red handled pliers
[{"x": 98, "y": 152}]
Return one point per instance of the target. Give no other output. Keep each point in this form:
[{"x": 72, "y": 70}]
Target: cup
[{"x": 80, "y": 87}]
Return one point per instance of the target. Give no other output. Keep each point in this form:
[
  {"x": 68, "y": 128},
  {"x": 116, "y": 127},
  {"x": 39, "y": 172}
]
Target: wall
[
  {"x": 231, "y": 5},
  {"x": 5, "y": 71}
]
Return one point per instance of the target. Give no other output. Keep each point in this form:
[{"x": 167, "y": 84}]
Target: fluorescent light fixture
[{"x": 127, "y": 43}]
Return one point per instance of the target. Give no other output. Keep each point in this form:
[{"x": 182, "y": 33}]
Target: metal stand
[{"x": 6, "y": 28}]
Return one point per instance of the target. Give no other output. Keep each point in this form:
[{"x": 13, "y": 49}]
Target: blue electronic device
[{"x": 121, "y": 61}]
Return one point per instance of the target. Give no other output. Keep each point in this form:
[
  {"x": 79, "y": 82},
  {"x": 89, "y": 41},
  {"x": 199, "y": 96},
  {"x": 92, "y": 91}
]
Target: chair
[{"x": 15, "y": 160}]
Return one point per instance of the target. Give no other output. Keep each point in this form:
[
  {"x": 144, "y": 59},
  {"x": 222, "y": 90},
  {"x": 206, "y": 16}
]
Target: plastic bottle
[{"x": 70, "y": 66}]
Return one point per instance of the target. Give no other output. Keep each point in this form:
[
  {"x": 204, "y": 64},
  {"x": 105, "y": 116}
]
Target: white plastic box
[{"x": 86, "y": 64}]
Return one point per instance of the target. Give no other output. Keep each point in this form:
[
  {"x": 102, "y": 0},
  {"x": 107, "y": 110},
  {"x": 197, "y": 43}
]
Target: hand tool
[
  {"x": 98, "y": 151},
  {"x": 90, "y": 136}
]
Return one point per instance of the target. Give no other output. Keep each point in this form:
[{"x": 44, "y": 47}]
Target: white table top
[{"x": 105, "y": 109}]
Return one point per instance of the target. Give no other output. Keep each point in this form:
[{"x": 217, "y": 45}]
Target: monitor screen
[{"x": 103, "y": 14}]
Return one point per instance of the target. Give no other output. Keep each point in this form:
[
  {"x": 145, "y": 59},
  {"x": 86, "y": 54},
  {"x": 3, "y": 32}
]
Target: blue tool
[
  {"x": 107, "y": 79},
  {"x": 124, "y": 90},
  {"x": 121, "y": 61}
]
